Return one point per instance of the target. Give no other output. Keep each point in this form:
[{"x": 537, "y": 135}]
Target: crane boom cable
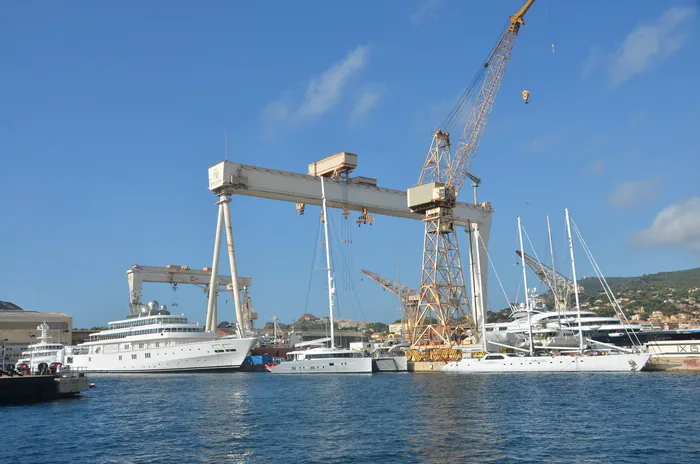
[
  {"x": 452, "y": 116},
  {"x": 480, "y": 112},
  {"x": 473, "y": 131}
]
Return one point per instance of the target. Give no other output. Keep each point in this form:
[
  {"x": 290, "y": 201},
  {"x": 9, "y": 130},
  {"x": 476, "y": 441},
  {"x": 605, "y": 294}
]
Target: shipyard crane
[
  {"x": 561, "y": 286},
  {"x": 175, "y": 275},
  {"x": 434, "y": 201},
  {"x": 442, "y": 291},
  {"x": 408, "y": 296},
  {"x": 361, "y": 194}
]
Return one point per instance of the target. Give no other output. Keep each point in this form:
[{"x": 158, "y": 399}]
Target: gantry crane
[
  {"x": 180, "y": 275},
  {"x": 442, "y": 291},
  {"x": 344, "y": 192},
  {"x": 408, "y": 296},
  {"x": 561, "y": 286}
]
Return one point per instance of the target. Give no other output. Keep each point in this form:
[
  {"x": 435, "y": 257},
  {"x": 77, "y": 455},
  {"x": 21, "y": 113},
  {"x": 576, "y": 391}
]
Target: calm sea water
[{"x": 258, "y": 417}]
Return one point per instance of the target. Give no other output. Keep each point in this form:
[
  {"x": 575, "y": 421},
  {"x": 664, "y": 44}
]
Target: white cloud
[
  {"x": 365, "y": 103},
  {"x": 677, "y": 224},
  {"x": 324, "y": 91},
  {"x": 635, "y": 192},
  {"x": 427, "y": 9},
  {"x": 647, "y": 45},
  {"x": 594, "y": 59}
]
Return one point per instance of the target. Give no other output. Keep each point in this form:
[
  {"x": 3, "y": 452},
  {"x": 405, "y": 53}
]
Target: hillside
[
  {"x": 679, "y": 280},
  {"x": 650, "y": 296},
  {"x": 7, "y": 306}
]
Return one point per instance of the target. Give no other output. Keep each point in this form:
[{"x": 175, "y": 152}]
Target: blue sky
[{"x": 112, "y": 113}]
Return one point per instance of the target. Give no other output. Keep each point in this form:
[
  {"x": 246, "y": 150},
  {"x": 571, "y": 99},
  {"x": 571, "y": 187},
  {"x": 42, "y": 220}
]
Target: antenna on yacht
[
  {"x": 331, "y": 285},
  {"x": 573, "y": 267},
  {"x": 527, "y": 300}
]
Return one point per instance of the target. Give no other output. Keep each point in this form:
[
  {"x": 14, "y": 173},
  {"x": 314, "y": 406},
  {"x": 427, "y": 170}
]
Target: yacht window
[{"x": 493, "y": 357}]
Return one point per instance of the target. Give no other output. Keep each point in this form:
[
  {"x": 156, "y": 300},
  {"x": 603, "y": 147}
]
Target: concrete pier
[
  {"x": 677, "y": 363},
  {"x": 425, "y": 366}
]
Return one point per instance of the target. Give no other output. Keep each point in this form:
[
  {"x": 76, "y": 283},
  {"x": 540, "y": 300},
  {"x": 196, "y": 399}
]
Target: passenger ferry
[{"x": 153, "y": 340}]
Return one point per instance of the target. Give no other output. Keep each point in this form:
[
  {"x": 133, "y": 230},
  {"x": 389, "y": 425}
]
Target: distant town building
[{"x": 397, "y": 328}]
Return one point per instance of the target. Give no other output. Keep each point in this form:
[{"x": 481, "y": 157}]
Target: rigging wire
[
  {"x": 453, "y": 115},
  {"x": 345, "y": 266},
  {"x": 608, "y": 291},
  {"x": 313, "y": 265},
  {"x": 488, "y": 255},
  {"x": 539, "y": 261}
]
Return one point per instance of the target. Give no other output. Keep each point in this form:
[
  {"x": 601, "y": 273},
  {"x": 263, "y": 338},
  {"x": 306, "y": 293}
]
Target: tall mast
[
  {"x": 331, "y": 285},
  {"x": 555, "y": 290},
  {"x": 573, "y": 267},
  {"x": 401, "y": 306},
  {"x": 482, "y": 326},
  {"x": 527, "y": 300}
]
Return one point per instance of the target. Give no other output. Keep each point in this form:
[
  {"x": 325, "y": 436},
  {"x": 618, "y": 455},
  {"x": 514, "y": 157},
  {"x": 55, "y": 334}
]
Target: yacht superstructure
[{"x": 556, "y": 328}]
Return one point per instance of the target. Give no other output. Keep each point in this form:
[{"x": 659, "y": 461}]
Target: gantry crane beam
[
  {"x": 358, "y": 194},
  {"x": 253, "y": 181}
]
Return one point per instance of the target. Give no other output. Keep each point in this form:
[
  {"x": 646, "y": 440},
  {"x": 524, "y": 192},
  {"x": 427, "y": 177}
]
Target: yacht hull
[
  {"x": 390, "y": 364},
  {"x": 206, "y": 356},
  {"x": 609, "y": 363},
  {"x": 325, "y": 366}
]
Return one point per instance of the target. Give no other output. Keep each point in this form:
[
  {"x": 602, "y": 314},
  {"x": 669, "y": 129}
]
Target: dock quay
[
  {"x": 36, "y": 388},
  {"x": 674, "y": 363},
  {"x": 425, "y": 366}
]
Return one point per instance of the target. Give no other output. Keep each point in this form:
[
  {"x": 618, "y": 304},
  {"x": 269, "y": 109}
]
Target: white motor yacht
[
  {"x": 43, "y": 352},
  {"x": 156, "y": 341}
]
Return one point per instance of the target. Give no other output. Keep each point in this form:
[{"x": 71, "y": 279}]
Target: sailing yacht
[
  {"x": 320, "y": 359},
  {"x": 576, "y": 361}
]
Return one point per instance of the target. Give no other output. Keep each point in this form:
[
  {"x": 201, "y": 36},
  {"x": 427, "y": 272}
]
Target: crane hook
[{"x": 526, "y": 96}]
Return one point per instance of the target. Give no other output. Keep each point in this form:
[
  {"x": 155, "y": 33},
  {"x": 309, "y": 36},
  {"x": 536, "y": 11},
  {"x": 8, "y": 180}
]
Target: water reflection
[
  {"x": 366, "y": 419},
  {"x": 454, "y": 410}
]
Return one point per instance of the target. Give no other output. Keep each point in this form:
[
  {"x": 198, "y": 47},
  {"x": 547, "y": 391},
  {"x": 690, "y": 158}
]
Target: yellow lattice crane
[{"x": 442, "y": 295}]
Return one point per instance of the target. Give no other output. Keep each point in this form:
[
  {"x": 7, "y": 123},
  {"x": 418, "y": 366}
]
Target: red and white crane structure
[{"x": 442, "y": 290}]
